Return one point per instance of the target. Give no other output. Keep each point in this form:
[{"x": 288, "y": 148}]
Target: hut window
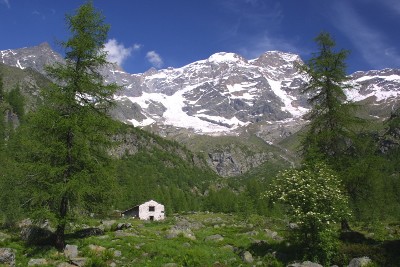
[{"x": 151, "y": 208}]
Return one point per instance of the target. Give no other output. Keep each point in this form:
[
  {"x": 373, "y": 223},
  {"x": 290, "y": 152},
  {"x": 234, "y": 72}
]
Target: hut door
[{"x": 151, "y": 218}]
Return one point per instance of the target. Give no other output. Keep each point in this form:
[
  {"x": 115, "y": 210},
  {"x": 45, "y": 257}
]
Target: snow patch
[{"x": 286, "y": 99}]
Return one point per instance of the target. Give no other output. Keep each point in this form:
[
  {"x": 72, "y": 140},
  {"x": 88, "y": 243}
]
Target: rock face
[
  {"x": 36, "y": 57},
  {"x": 223, "y": 95}
]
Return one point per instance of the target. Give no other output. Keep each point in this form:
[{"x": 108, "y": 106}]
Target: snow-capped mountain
[{"x": 222, "y": 94}]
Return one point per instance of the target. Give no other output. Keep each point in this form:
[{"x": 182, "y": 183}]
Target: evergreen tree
[
  {"x": 66, "y": 140},
  {"x": 331, "y": 116},
  {"x": 16, "y": 101}
]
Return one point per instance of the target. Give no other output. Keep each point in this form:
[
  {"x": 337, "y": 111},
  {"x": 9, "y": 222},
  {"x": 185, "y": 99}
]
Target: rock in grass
[
  {"x": 65, "y": 264},
  {"x": 79, "y": 261},
  {"x": 71, "y": 251},
  {"x": 247, "y": 257},
  {"x": 7, "y": 256},
  {"x": 215, "y": 238},
  {"x": 37, "y": 262},
  {"x": 122, "y": 226},
  {"x": 305, "y": 264},
  {"x": 359, "y": 262},
  {"x": 97, "y": 249},
  {"x": 106, "y": 225},
  {"x": 174, "y": 233}
]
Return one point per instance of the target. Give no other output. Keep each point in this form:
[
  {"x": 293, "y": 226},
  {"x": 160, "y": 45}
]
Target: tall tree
[
  {"x": 331, "y": 116},
  {"x": 66, "y": 140}
]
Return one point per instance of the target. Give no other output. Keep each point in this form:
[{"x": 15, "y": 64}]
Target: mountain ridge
[{"x": 256, "y": 100}]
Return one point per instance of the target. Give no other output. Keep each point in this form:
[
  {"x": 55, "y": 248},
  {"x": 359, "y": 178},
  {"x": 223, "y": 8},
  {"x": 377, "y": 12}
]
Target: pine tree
[
  {"x": 65, "y": 142},
  {"x": 331, "y": 116}
]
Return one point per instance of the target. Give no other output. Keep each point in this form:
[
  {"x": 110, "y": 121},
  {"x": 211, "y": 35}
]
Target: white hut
[{"x": 150, "y": 210}]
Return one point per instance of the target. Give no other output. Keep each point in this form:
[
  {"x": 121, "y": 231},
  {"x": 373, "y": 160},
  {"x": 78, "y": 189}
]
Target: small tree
[
  {"x": 64, "y": 143},
  {"x": 314, "y": 200}
]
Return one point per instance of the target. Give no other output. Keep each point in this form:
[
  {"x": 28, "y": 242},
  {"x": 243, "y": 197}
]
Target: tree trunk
[
  {"x": 345, "y": 227},
  {"x": 60, "y": 232}
]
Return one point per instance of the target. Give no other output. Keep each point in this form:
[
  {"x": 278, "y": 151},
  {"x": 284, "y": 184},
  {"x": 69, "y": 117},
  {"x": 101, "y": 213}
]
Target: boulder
[
  {"x": 359, "y": 262},
  {"x": 71, "y": 251},
  {"x": 215, "y": 238},
  {"x": 122, "y": 226},
  {"x": 35, "y": 235},
  {"x": 7, "y": 256},
  {"x": 273, "y": 235},
  {"x": 106, "y": 225},
  {"x": 174, "y": 233},
  {"x": 247, "y": 257}
]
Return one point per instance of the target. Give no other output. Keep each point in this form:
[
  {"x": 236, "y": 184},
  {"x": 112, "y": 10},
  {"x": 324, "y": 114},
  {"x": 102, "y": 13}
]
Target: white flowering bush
[{"x": 314, "y": 200}]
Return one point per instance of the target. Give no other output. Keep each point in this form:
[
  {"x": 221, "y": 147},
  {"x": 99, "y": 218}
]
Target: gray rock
[
  {"x": 107, "y": 224},
  {"x": 122, "y": 226},
  {"x": 97, "y": 249},
  {"x": 71, "y": 251},
  {"x": 79, "y": 261},
  {"x": 35, "y": 235},
  {"x": 170, "y": 265},
  {"x": 273, "y": 235},
  {"x": 247, "y": 257},
  {"x": 215, "y": 238},
  {"x": 304, "y": 264},
  {"x": 37, "y": 262},
  {"x": 229, "y": 247},
  {"x": 117, "y": 253},
  {"x": 359, "y": 262},
  {"x": 174, "y": 233},
  {"x": 7, "y": 256},
  {"x": 65, "y": 264}
]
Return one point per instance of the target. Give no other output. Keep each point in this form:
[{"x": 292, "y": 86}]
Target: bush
[{"x": 314, "y": 200}]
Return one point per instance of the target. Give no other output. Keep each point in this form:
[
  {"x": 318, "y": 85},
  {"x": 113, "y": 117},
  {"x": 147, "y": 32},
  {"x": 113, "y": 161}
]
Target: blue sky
[{"x": 173, "y": 33}]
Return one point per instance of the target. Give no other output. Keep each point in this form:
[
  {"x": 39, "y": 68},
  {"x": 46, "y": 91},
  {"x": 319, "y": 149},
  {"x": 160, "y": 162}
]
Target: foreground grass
[{"x": 205, "y": 239}]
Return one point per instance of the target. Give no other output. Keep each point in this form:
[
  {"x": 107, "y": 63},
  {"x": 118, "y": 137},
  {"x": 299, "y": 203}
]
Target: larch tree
[
  {"x": 65, "y": 142},
  {"x": 331, "y": 115}
]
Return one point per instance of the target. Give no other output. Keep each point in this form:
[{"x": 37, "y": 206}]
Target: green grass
[{"x": 149, "y": 245}]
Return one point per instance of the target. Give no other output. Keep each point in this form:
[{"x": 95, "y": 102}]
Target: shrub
[{"x": 314, "y": 200}]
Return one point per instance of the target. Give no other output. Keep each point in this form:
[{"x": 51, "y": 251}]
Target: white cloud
[
  {"x": 117, "y": 52},
  {"x": 154, "y": 59},
  {"x": 371, "y": 43},
  {"x": 5, "y": 2}
]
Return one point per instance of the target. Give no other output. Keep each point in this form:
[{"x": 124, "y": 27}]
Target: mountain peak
[{"x": 224, "y": 57}]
